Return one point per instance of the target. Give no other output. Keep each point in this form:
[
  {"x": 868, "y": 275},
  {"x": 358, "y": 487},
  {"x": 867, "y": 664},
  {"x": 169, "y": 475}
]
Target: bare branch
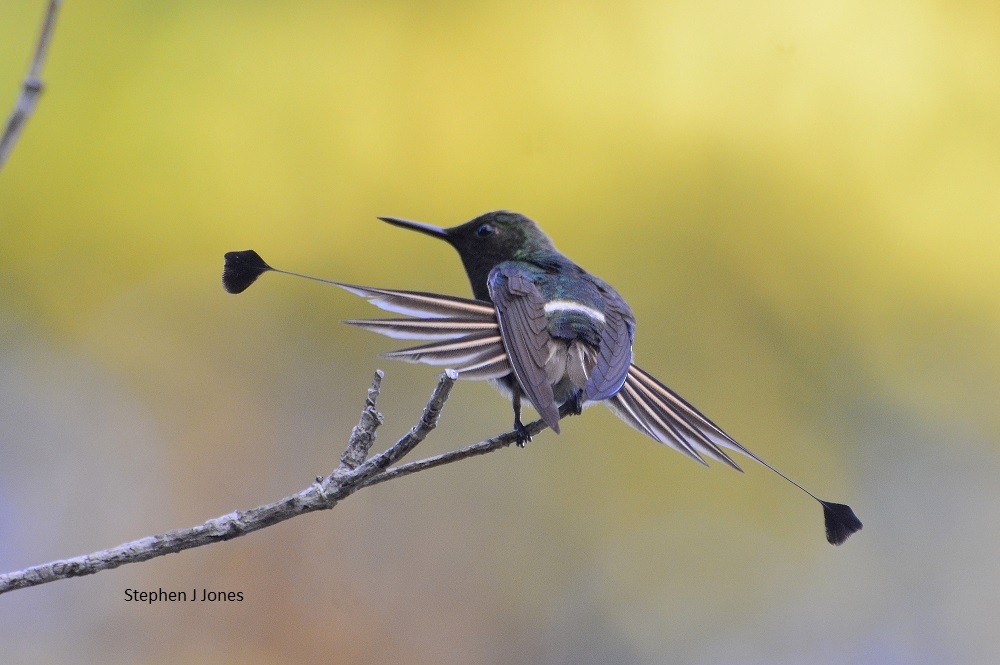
[
  {"x": 481, "y": 448},
  {"x": 352, "y": 474},
  {"x": 32, "y": 87}
]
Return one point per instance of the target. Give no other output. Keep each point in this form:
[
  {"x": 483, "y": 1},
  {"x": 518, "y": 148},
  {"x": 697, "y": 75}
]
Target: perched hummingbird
[{"x": 540, "y": 328}]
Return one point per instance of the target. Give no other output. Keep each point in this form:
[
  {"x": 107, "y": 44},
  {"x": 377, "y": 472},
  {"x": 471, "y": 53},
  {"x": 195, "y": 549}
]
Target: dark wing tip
[
  {"x": 242, "y": 269},
  {"x": 841, "y": 522}
]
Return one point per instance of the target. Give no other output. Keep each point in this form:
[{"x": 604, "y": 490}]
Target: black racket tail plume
[
  {"x": 242, "y": 269},
  {"x": 840, "y": 520}
]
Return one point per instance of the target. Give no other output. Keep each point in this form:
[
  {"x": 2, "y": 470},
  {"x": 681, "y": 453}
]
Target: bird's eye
[{"x": 485, "y": 231}]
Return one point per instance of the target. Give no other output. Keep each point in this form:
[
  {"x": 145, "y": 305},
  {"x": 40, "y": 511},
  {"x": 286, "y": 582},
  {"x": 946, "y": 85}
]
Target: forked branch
[{"x": 355, "y": 471}]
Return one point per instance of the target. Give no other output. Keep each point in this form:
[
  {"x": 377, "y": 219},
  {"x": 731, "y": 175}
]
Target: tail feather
[
  {"x": 682, "y": 407},
  {"x": 472, "y": 349},
  {"x": 663, "y": 430},
  {"x": 434, "y": 328},
  {"x": 494, "y": 367},
  {"x": 624, "y": 409},
  {"x": 693, "y": 428},
  {"x": 471, "y": 344},
  {"x": 693, "y": 419},
  {"x": 419, "y": 303},
  {"x": 653, "y": 409}
]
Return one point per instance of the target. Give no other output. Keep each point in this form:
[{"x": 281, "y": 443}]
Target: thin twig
[
  {"x": 363, "y": 435},
  {"x": 32, "y": 87}
]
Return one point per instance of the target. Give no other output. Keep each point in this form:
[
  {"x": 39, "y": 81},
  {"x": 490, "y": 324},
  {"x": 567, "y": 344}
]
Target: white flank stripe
[{"x": 572, "y": 306}]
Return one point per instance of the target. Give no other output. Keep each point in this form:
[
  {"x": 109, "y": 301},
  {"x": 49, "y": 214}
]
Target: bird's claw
[{"x": 522, "y": 436}]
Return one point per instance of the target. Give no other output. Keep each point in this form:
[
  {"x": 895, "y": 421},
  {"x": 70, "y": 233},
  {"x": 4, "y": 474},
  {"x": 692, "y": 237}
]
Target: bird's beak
[{"x": 435, "y": 231}]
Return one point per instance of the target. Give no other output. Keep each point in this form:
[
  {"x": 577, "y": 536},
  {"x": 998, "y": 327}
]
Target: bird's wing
[
  {"x": 656, "y": 410},
  {"x": 614, "y": 353},
  {"x": 520, "y": 309}
]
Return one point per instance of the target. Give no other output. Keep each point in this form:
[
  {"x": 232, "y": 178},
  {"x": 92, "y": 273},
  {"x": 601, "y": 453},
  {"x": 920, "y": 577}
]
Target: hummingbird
[{"x": 543, "y": 330}]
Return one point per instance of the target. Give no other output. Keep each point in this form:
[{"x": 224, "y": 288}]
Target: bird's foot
[
  {"x": 576, "y": 402},
  {"x": 521, "y": 433}
]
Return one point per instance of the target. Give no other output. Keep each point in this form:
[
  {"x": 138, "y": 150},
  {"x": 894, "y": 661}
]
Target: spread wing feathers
[
  {"x": 665, "y": 416},
  {"x": 520, "y": 309},
  {"x": 614, "y": 356},
  {"x": 419, "y": 303},
  {"x": 474, "y": 345},
  {"x": 434, "y": 328},
  {"x": 467, "y": 330},
  {"x": 473, "y": 349},
  {"x": 493, "y": 367}
]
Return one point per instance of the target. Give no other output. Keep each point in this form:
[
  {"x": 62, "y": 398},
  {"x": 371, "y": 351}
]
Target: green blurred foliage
[{"x": 799, "y": 200}]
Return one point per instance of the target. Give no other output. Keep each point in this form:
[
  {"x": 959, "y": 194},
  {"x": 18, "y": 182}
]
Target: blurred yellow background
[{"x": 799, "y": 200}]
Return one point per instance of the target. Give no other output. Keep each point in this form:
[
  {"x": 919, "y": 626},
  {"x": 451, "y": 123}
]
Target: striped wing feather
[
  {"x": 436, "y": 328},
  {"x": 466, "y": 331},
  {"x": 419, "y": 303}
]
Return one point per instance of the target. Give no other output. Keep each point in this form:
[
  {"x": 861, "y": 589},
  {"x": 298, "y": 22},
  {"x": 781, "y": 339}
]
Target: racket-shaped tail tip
[
  {"x": 242, "y": 269},
  {"x": 841, "y": 522}
]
